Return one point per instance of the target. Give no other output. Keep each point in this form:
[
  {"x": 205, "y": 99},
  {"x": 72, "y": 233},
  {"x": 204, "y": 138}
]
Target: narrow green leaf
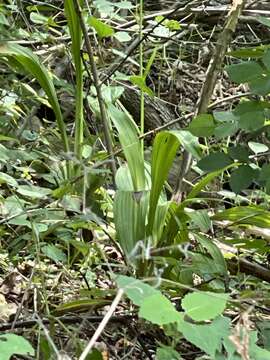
[
  {"x": 102, "y": 29},
  {"x": 201, "y": 219},
  {"x": 164, "y": 150},
  {"x": 252, "y": 52},
  {"x": 206, "y": 180},
  {"x": 214, "y": 252},
  {"x": 76, "y": 42},
  {"x": 189, "y": 142},
  {"x": 81, "y": 305},
  {"x": 140, "y": 82},
  {"x": 250, "y": 215},
  {"x": 31, "y": 64},
  {"x": 163, "y": 153},
  {"x": 150, "y": 63}
]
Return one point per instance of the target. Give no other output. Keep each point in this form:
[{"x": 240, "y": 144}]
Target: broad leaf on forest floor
[
  {"x": 206, "y": 337},
  {"x": 159, "y": 310},
  {"x": 257, "y": 148},
  {"x": 135, "y": 289},
  {"x": 34, "y": 192},
  {"x": 239, "y": 152},
  {"x": 167, "y": 353},
  {"x": 253, "y": 73},
  {"x": 196, "y": 305},
  {"x": 242, "y": 178},
  {"x": 11, "y": 344},
  {"x": 202, "y": 125},
  {"x": 214, "y": 162}
]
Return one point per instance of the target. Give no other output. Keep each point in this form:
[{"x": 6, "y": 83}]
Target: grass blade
[
  {"x": 32, "y": 65},
  {"x": 76, "y": 41}
]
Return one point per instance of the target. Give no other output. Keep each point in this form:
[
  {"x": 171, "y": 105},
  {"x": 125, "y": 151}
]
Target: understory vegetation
[{"x": 134, "y": 179}]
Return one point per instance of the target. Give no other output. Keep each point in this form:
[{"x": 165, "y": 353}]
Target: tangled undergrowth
[{"x": 134, "y": 172}]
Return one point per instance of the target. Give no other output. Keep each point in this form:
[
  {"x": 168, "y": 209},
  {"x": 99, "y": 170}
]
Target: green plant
[
  {"x": 11, "y": 344},
  {"x": 215, "y": 338}
]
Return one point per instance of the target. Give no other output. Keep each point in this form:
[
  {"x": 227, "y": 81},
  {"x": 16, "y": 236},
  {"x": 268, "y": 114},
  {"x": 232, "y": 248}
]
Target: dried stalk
[{"x": 214, "y": 68}]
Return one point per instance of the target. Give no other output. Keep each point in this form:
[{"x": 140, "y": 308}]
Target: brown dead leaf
[
  {"x": 6, "y": 309},
  {"x": 11, "y": 284}
]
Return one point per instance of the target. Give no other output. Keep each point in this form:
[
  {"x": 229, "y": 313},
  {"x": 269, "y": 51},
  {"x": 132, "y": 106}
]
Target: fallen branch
[{"x": 26, "y": 324}]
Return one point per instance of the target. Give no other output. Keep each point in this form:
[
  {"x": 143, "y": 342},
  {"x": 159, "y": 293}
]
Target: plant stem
[
  {"x": 141, "y": 74},
  {"x": 103, "y": 114},
  {"x": 102, "y": 325}
]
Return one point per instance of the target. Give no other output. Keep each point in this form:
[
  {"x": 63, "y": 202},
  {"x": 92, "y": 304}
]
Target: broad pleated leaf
[
  {"x": 128, "y": 136},
  {"x": 130, "y": 210},
  {"x": 160, "y": 221},
  {"x": 164, "y": 150}
]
